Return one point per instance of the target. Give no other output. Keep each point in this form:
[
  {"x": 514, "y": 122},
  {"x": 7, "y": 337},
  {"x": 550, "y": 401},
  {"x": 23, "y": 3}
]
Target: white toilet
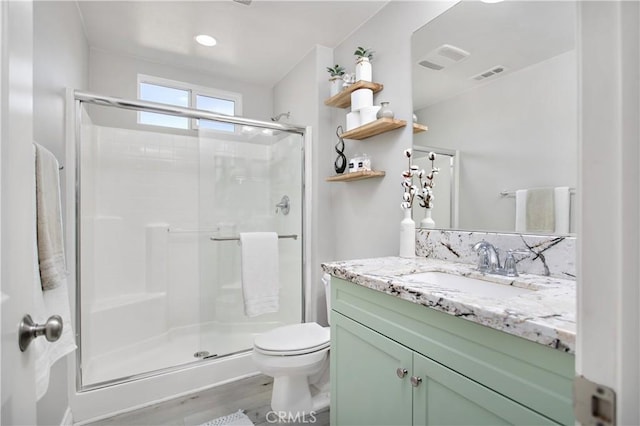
[{"x": 297, "y": 357}]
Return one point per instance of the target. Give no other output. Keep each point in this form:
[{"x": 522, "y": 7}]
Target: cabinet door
[
  {"x": 445, "y": 397},
  {"x": 365, "y": 386}
]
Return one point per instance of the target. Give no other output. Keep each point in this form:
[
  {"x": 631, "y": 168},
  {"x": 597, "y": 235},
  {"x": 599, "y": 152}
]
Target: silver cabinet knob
[
  {"x": 415, "y": 381},
  {"x": 401, "y": 372},
  {"x": 28, "y": 330}
]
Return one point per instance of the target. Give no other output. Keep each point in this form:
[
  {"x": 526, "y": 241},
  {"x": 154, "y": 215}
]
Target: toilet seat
[{"x": 295, "y": 339}]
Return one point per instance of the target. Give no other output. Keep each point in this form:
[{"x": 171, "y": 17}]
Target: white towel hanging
[
  {"x": 52, "y": 301},
  {"x": 260, "y": 272}
]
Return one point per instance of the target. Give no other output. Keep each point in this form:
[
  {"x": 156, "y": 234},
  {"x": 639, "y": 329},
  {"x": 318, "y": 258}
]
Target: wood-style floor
[{"x": 252, "y": 395}]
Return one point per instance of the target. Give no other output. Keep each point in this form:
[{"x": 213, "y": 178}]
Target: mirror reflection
[{"x": 496, "y": 84}]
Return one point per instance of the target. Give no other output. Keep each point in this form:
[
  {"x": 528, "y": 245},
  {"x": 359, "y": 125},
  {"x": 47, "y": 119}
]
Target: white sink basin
[{"x": 467, "y": 285}]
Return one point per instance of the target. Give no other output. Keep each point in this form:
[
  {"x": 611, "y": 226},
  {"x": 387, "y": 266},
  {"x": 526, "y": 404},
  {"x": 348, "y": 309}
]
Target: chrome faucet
[{"x": 488, "y": 260}]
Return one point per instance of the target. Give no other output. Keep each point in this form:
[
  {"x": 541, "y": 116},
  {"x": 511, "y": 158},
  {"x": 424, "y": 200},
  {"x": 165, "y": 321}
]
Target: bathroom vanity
[{"x": 425, "y": 341}]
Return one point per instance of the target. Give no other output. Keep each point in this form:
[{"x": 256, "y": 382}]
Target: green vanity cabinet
[
  {"x": 371, "y": 392},
  {"x": 457, "y": 372}
]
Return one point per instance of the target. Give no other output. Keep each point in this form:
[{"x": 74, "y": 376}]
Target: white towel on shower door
[{"x": 260, "y": 272}]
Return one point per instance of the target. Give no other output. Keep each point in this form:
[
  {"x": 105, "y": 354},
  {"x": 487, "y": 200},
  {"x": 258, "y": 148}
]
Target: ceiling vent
[
  {"x": 492, "y": 72},
  {"x": 443, "y": 57}
]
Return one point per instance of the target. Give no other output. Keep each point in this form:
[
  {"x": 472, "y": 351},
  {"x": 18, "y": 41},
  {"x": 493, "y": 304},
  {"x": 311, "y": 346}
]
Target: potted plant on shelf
[
  {"x": 363, "y": 63},
  {"x": 335, "y": 79}
]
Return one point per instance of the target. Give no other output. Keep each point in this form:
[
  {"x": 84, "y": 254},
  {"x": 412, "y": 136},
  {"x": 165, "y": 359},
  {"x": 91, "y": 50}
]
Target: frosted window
[
  {"x": 217, "y": 105},
  {"x": 164, "y": 95}
]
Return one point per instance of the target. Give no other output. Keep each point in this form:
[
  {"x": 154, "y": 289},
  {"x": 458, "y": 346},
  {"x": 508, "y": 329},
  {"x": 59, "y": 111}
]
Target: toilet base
[{"x": 293, "y": 395}]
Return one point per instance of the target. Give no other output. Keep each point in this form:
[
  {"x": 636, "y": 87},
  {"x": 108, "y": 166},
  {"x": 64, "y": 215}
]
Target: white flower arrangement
[{"x": 426, "y": 183}]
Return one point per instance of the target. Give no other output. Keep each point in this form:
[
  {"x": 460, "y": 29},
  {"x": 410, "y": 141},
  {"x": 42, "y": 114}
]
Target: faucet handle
[
  {"x": 510, "y": 264},
  {"x": 484, "y": 265}
]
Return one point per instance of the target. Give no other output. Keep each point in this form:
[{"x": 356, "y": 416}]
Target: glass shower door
[
  {"x": 160, "y": 213},
  {"x": 242, "y": 178}
]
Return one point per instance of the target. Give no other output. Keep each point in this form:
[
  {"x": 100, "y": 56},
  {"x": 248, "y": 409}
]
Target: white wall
[
  {"x": 366, "y": 214},
  {"x": 60, "y": 61},
  {"x": 518, "y": 131},
  {"x": 117, "y": 75},
  {"x": 309, "y": 77}
]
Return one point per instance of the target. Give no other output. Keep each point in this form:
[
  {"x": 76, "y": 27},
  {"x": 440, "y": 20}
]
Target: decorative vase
[
  {"x": 335, "y": 84},
  {"x": 384, "y": 111},
  {"x": 407, "y": 236},
  {"x": 363, "y": 69},
  {"x": 427, "y": 222},
  {"x": 341, "y": 161}
]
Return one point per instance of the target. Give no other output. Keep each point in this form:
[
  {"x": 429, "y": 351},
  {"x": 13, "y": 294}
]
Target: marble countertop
[{"x": 546, "y": 315}]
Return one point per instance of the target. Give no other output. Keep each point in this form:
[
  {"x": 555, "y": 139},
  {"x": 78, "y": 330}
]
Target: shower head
[{"x": 279, "y": 116}]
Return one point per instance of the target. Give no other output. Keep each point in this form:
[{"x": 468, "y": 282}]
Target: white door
[{"x": 16, "y": 208}]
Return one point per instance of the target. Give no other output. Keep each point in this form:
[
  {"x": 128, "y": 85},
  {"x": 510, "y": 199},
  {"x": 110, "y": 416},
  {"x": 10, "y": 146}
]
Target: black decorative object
[{"x": 341, "y": 162}]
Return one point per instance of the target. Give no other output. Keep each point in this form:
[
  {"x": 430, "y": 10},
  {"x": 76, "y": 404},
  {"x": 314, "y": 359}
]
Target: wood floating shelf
[
  {"x": 381, "y": 125},
  {"x": 343, "y": 99},
  {"x": 363, "y": 174},
  {"x": 419, "y": 128}
]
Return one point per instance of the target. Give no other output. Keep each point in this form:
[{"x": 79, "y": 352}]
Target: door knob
[
  {"x": 415, "y": 381},
  {"x": 28, "y": 330},
  {"x": 401, "y": 372}
]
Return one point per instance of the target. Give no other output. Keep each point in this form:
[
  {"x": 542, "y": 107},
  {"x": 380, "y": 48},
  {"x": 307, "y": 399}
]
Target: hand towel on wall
[
  {"x": 55, "y": 299},
  {"x": 562, "y": 199},
  {"x": 535, "y": 210},
  {"x": 260, "y": 272},
  {"x": 49, "y": 219}
]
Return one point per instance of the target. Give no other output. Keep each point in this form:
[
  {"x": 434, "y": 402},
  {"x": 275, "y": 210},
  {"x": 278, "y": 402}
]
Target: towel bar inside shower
[
  {"x": 292, "y": 236},
  {"x": 512, "y": 194}
]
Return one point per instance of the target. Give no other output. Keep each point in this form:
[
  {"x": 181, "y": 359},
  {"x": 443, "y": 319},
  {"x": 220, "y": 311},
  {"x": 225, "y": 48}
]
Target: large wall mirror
[{"x": 496, "y": 84}]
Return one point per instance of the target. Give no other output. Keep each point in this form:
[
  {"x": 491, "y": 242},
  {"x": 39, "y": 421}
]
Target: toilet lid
[{"x": 296, "y": 338}]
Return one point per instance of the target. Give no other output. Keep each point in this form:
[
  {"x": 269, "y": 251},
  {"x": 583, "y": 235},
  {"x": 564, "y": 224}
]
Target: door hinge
[{"x": 593, "y": 404}]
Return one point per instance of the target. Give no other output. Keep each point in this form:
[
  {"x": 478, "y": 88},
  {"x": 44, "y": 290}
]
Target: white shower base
[{"x": 173, "y": 348}]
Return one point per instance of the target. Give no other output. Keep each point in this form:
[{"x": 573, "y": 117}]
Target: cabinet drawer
[{"x": 529, "y": 373}]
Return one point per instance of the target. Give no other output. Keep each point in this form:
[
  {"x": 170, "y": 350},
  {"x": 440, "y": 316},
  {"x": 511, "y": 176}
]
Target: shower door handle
[{"x": 28, "y": 330}]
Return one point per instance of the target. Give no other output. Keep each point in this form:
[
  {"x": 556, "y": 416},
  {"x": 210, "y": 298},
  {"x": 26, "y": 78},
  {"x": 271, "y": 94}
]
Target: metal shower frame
[{"x": 80, "y": 97}]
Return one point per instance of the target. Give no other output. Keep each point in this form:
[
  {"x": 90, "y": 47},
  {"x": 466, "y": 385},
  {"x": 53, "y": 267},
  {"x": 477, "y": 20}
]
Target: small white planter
[
  {"x": 335, "y": 85},
  {"x": 363, "y": 69}
]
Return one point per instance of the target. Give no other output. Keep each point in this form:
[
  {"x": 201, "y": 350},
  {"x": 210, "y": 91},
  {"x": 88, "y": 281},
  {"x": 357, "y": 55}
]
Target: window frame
[{"x": 193, "y": 91}]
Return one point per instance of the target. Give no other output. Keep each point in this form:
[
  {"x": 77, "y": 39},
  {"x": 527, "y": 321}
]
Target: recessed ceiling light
[{"x": 206, "y": 40}]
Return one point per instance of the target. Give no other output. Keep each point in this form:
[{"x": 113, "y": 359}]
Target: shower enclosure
[{"x": 159, "y": 212}]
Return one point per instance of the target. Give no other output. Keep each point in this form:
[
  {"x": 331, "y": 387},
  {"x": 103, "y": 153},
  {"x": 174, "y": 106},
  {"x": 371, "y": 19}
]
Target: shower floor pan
[{"x": 177, "y": 347}]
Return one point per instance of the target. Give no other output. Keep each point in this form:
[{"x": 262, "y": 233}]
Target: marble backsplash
[{"x": 549, "y": 255}]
